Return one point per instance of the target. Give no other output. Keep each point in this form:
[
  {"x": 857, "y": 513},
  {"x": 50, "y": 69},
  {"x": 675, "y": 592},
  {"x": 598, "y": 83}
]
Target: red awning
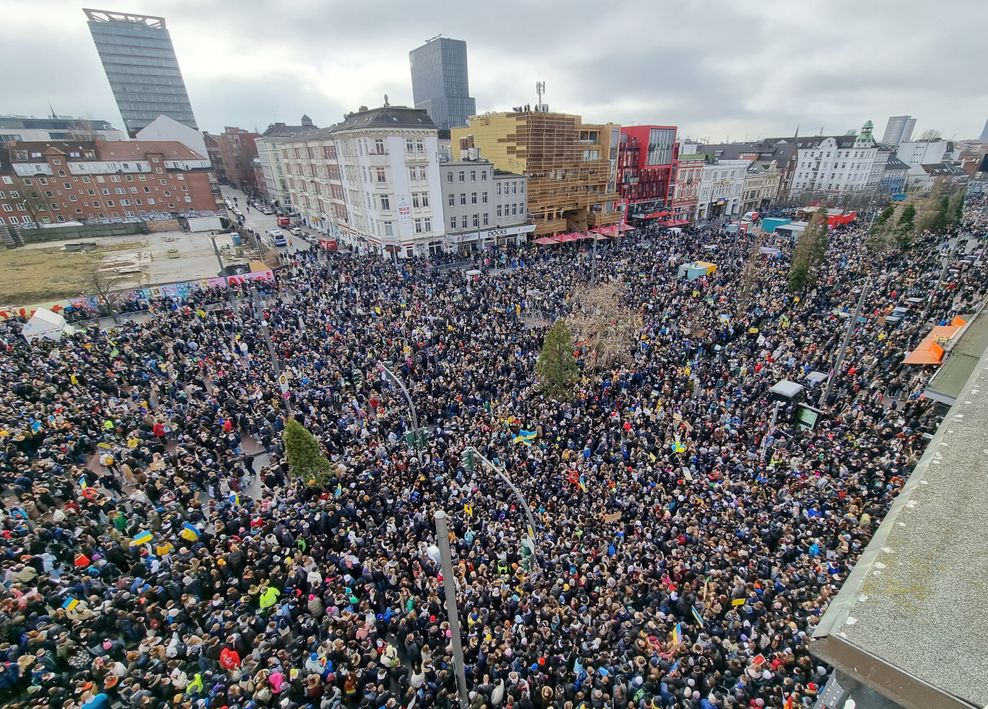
[
  {"x": 657, "y": 215},
  {"x": 546, "y": 240},
  {"x": 564, "y": 238}
]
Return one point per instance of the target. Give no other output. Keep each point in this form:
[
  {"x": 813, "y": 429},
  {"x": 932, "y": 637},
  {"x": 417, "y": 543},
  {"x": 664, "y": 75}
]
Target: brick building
[
  {"x": 61, "y": 181},
  {"x": 239, "y": 150}
]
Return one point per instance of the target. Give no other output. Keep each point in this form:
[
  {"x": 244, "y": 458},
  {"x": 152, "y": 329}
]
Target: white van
[{"x": 277, "y": 238}]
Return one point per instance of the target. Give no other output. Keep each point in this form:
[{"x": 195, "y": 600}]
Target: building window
[
  {"x": 379, "y": 146},
  {"x": 484, "y": 197},
  {"x": 486, "y": 215},
  {"x": 452, "y": 200},
  {"x": 385, "y": 202},
  {"x": 419, "y": 226},
  {"x": 381, "y": 174},
  {"x": 483, "y": 176},
  {"x": 409, "y": 145},
  {"x": 476, "y": 221},
  {"x": 419, "y": 146},
  {"x": 473, "y": 198},
  {"x": 462, "y": 175},
  {"x": 452, "y": 222},
  {"x": 463, "y": 222},
  {"x": 449, "y": 176},
  {"x": 499, "y": 210},
  {"x": 498, "y": 189},
  {"x": 463, "y": 197},
  {"x": 389, "y": 229}
]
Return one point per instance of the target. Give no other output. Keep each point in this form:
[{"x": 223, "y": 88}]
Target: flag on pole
[
  {"x": 235, "y": 499},
  {"x": 677, "y": 635},
  {"x": 696, "y": 616},
  {"x": 70, "y": 603},
  {"x": 189, "y": 532},
  {"x": 142, "y": 538}
]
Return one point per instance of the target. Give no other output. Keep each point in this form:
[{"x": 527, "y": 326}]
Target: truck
[{"x": 284, "y": 221}]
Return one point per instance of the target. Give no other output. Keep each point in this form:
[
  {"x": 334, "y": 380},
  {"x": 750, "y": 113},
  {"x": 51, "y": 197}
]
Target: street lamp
[
  {"x": 449, "y": 588},
  {"x": 471, "y": 451},
  {"x": 226, "y": 276},
  {"x": 385, "y": 372},
  {"x": 266, "y": 334}
]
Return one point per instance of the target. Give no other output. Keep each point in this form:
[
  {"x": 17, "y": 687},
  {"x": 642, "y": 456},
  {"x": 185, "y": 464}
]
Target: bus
[{"x": 278, "y": 238}]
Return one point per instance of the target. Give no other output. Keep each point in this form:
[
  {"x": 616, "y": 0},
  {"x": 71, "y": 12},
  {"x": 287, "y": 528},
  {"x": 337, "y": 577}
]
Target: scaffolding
[{"x": 571, "y": 166}]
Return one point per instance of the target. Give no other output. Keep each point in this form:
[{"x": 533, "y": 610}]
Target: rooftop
[
  {"x": 911, "y": 621},
  {"x": 388, "y": 117},
  {"x": 107, "y": 149}
]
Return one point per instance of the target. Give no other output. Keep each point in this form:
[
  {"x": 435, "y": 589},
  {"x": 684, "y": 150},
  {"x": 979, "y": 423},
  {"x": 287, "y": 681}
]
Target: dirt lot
[{"x": 36, "y": 274}]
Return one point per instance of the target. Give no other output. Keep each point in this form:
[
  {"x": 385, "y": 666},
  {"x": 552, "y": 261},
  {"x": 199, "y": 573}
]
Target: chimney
[{"x": 362, "y": 109}]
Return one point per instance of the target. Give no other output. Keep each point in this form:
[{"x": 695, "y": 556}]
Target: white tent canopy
[{"x": 45, "y": 323}]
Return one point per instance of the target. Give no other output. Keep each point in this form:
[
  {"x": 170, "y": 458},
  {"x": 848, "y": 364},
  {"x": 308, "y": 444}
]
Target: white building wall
[{"x": 165, "y": 128}]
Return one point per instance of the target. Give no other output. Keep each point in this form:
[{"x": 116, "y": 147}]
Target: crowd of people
[{"x": 156, "y": 550}]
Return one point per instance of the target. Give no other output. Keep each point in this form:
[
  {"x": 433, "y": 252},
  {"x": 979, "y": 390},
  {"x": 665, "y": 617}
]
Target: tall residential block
[
  {"x": 439, "y": 81},
  {"x": 899, "y": 129},
  {"x": 571, "y": 166},
  {"x": 140, "y": 64}
]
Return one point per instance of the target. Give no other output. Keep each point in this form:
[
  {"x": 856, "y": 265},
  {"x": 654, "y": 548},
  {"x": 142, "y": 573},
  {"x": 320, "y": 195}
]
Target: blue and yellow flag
[
  {"x": 70, "y": 603},
  {"x": 234, "y": 499},
  {"x": 524, "y": 437},
  {"x": 189, "y": 532},
  {"x": 142, "y": 538},
  {"x": 696, "y": 615},
  {"x": 677, "y": 634}
]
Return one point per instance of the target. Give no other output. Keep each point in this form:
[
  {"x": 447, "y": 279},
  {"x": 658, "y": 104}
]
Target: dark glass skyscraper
[
  {"x": 439, "y": 81},
  {"x": 140, "y": 63}
]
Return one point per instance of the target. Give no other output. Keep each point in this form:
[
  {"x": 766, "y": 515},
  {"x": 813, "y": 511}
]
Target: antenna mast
[{"x": 540, "y": 91}]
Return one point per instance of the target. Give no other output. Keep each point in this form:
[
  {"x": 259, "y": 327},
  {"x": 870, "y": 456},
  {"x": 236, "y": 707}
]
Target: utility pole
[
  {"x": 843, "y": 345},
  {"x": 385, "y": 372},
  {"x": 226, "y": 277},
  {"x": 266, "y": 334},
  {"x": 449, "y": 586},
  {"x": 470, "y": 450}
]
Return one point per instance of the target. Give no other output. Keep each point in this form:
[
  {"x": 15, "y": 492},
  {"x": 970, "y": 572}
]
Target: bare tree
[
  {"x": 105, "y": 284},
  {"x": 749, "y": 276},
  {"x": 930, "y": 134},
  {"x": 604, "y": 324}
]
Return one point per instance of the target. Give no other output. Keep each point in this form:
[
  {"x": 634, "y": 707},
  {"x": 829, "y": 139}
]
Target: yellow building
[{"x": 571, "y": 165}]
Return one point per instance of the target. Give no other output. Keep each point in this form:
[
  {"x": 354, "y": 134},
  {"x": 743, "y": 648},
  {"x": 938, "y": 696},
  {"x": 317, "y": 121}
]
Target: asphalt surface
[{"x": 261, "y": 223}]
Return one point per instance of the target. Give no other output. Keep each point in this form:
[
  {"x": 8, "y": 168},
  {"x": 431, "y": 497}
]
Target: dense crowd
[{"x": 156, "y": 551}]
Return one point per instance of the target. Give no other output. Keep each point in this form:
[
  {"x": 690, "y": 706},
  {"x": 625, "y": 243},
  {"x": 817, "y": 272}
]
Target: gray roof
[
  {"x": 387, "y": 117},
  {"x": 895, "y": 163},
  {"x": 280, "y": 130},
  {"x": 911, "y": 621}
]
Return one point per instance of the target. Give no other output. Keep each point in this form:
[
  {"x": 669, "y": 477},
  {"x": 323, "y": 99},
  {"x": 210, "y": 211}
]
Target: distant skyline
[{"x": 719, "y": 69}]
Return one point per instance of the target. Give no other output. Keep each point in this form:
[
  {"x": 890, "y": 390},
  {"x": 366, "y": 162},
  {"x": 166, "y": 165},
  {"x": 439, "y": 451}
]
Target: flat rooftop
[{"x": 912, "y": 619}]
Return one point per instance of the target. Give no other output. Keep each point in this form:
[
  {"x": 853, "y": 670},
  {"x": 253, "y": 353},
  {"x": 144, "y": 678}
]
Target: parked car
[{"x": 295, "y": 231}]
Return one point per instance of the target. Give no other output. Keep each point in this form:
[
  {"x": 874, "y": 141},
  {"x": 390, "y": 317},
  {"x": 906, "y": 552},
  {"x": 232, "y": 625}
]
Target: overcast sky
[{"x": 720, "y": 69}]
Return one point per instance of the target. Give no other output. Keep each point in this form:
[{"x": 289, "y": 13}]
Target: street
[{"x": 261, "y": 223}]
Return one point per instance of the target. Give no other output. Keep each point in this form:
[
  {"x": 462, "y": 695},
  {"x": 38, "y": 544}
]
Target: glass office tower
[
  {"x": 140, "y": 63},
  {"x": 439, "y": 81}
]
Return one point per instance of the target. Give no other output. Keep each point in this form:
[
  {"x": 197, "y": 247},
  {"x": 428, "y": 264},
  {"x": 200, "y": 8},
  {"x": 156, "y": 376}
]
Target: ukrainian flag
[
  {"x": 189, "y": 533},
  {"x": 235, "y": 499},
  {"x": 142, "y": 538},
  {"x": 677, "y": 635},
  {"x": 70, "y": 603},
  {"x": 524, "y": 437},
  {"x": 696, "y": 616}
]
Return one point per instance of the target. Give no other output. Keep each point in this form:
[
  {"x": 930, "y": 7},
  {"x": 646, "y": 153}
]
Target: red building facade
[
  {"x": 238, "y": 150},
  {"x": 62, "y": 181},
  {"x": 646, "y": 167}
]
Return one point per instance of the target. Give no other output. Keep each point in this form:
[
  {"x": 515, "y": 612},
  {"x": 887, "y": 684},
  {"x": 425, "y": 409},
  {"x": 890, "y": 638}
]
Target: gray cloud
[{"x": 716, "y": 68}]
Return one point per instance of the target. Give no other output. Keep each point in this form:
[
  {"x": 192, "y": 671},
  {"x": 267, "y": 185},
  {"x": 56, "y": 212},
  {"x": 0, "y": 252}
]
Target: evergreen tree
[
  {"x": 304, "y": 455},
  {"x": 906, "y": 226},
  {"x": 956, "y": 210},
  {"x": 556, "y": 368}
]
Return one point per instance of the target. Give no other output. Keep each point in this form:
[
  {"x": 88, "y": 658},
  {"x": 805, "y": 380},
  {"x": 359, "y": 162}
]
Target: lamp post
[
  {"x": 449, "y": 588},
  {"x": 843, "y": 346},
  {"x": 226, "y": 277},
  {"x": 266, "y": 334},
  {"x": 470, "y": 450},
  {"x": 385, "y": 372}
]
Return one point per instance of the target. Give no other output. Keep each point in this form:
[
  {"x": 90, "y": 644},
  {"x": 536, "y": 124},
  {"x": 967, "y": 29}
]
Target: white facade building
[
  {"x": 844, "y": 163},
  {"x": 483, "y": 207},
  {"x": 721, "y": 188},
  {"x": 269, "y": 155},
  {"x": 389, "y": 165}
]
